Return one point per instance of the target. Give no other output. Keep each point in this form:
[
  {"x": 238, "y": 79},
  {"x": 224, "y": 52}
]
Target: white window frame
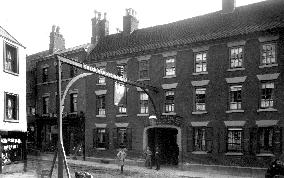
[{"x": 14, "y": 109}]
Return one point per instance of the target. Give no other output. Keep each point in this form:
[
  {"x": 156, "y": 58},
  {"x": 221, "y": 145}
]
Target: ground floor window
[
  {"x": 234, "y": 139},
  {"x": 101, "y": 138},
  {"x": 265, "y": 139},
  {"x": 199, "y": 138},
  {"x": 122, "y": 136}
]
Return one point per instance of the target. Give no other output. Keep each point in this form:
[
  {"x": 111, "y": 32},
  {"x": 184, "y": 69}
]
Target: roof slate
[{"x": 262, "y": 16}]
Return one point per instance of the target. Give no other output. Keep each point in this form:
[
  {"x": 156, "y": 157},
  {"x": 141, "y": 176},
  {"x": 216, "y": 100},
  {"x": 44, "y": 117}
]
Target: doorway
[{"x": 166, "y": 140}]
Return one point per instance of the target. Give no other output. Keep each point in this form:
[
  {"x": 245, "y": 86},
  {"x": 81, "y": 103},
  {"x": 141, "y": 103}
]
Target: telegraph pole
[{"x": 59, "y": 130}]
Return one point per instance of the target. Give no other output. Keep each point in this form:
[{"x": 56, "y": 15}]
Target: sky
[{"x": 30, "y": 21}]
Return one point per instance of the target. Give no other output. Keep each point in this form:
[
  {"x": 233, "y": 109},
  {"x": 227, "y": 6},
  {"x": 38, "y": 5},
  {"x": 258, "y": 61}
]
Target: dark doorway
[{"x": 166, "y": 139}]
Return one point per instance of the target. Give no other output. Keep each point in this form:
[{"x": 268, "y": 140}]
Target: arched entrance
[{"x": 168, "y": 138}]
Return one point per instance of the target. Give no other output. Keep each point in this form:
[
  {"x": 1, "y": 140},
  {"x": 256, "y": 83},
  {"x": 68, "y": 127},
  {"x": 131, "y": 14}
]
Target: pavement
[{"x": 135, "y": 168}]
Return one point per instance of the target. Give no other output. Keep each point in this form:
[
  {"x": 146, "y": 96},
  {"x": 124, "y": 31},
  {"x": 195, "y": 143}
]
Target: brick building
[
  {"x": 220, "y": 86},
  {"x": 42, "y": 92}
]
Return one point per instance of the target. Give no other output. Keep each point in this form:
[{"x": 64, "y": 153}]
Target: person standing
[
  {"x": 148, "y": 154},
  {"x": 157, "y": 158},
  {"x": 121, "y": 155}
]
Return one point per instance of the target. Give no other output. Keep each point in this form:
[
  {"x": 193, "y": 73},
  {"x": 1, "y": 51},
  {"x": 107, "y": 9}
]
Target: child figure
[
  {"x": 148, "y": 154},
  {"x": 121, "y": 157}
]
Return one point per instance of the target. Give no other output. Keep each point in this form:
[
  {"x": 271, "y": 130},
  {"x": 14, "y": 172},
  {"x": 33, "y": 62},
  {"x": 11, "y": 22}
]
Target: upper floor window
[
  {"x": 144, "y": 69},
  {"x": 201, "y": 62},
  {"x": 144, "y": 103},
  {"x": 44, "y": 74},
  {"x": 73, "y": 102},
  {"x": 236, "y": 97},
  {"x": 11, "y": 107},
  {"x": 267, "y": 95},
  {"x": 170, "y": 66},
  {"x": 234, "y": 140},
  {"x": 45, "y": 105},
  {"x": 101, "y": 79},
  {"x": 169, "y": 102},
  {"x": 101, "y": 105},
  {"x": 121, "y": 70},
  {"x": 268, "y": 54},
  {"x": 11, "y": 59},
  {"x": 200, "y": 96},
  {"x": 73, "y": 71},
  {"x": 236, "y": 57}
]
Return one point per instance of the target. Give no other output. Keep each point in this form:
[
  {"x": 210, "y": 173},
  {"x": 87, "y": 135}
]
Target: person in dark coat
[
  {"x": 157, "y": 158},
  {"x": 148, "y": 155}
]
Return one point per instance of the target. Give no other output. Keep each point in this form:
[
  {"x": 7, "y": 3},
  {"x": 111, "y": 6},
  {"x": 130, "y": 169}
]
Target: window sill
[
  {"x": 10, "y": 72},
  {"x": 199, "y": 73},
  {"x": 45, "y": 115},
  {"x": 101, "y": 149},
  {"x": 142, "y": 114},
  {"x": 234, "y": 154},
  {"x": 169, "y": 76},
  {"x": 143, "y": 79},
  {"x": 121, "y": 115},
  {"x": 101, "y": 84},
  {"x": 199, "y": 112},
  {"x": 267, "y": 110},
  {"x": 265, "y": 155},
  {"x": 14, "y": 121},
  {"x": 199, "y": 152},
  {"x": 235, "y": 69},
  {"x": 100, "y": 115},
  {"x": 235, "y": 111},
  {"x": 268, "y": 65},
  {"x": 169, "y": 113}
]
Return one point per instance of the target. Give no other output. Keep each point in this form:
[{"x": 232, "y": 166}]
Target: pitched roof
[
  {"x": 262, "y": 16},
  {"x": 46, "y": 53},
  {"x": 7, "y": 36}
]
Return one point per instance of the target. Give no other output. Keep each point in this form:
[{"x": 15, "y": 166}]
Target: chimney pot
[
  {"x": 57, "y": 29},
  {"x": 228, "y": 6},
  {"x": 53, "y": 28},
  {"x": 105, "y": 14},
  {"x": 99, "y": 16}
]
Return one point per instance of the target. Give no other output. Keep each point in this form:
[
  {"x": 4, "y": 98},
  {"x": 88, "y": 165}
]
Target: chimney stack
[
  {"x": 130, "y": 23},
  {"x": 100, "y": 27},
  {"x": 228, "y": 6},
  {"x": 57, "y": 42}
]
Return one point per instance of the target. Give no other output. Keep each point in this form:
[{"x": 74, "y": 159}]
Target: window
[
  {"x": 170, "y": 68},
  {"x": 144, "y": 69},
  {"x": 122, "y": 136},
  {"x": 44, "y": 74},
  {"x": 101, "y": 105},
  {"x": 199, "y": 139},
  {"x": 200, "y": 95},
  {"x": 143, "y": 103},
  {"x": 11, "y": 107},
  {"x": 234, "y": 142},
  {"x": 267, "y": 95},
  {"x": 236, "y": 97},
  {"x": 73, "y": 102},
  {"x": 268, "y": 54},
  {"x": 265, "y": 139},
  {"x": 10, "y": 59},
  {"x": 45, "y": 105},
  {"x": 101, "y": 139},
  {"x": 121, "y": 70},
  {"x": 236, "y": 57},
  {"x": 73, "y": 71},
  {"x": 200, "y": 62},
  {"x": 102, "y": 79},
  {"x": 169, "y": 103}
]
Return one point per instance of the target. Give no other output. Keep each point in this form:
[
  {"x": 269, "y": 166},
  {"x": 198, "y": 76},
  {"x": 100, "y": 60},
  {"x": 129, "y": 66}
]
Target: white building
[{"x": 13, "y": 120}]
